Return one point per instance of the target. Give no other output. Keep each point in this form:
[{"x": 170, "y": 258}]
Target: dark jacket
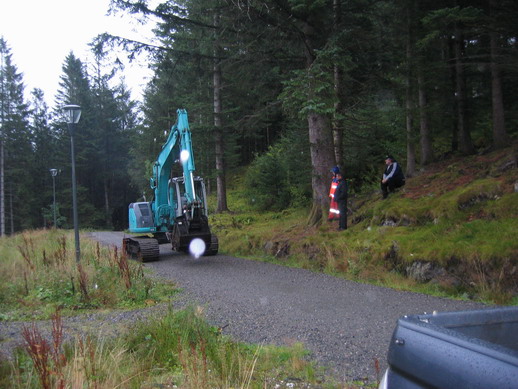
[
  {"x": 341, "y": 191},
  {"x": 394, "y": 172}
]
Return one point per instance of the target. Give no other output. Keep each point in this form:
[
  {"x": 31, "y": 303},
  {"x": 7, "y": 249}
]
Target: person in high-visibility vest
[
  {"x": 341, "y": 194},
  {"x": 334, "y": 212}
]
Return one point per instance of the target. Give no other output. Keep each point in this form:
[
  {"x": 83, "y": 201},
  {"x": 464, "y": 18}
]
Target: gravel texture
[{"x": 345, "y": 325}]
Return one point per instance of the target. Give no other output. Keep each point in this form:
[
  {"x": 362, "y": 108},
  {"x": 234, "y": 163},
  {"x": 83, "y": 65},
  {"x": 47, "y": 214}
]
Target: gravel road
[{"x": 346, "y": 325}]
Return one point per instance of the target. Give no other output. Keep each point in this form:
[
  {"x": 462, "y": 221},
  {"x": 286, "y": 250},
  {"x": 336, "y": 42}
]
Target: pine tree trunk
[
  {"x": 218, "y": 131},
  {"x": 453, "y": 76},
  {"x": 11, "y": 209},
  {"x": 410, "y": 144},
  {"x": 425, "y": 138},
  {"x": 322, "y": 158},
  {"x": 321, "y": 143},
  {"x": 500, "y": 137},
  {"x": 2, "y": 189},
  {"x": 337, "y": 125},
  {"x": 3, "y": 111},
  {"x": 464, "y": 136},
  {"x": 107, "y": 218}
]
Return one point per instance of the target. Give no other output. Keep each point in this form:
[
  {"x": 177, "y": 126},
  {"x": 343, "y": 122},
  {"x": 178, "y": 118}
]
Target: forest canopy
[{"x": 289, "y": 88}]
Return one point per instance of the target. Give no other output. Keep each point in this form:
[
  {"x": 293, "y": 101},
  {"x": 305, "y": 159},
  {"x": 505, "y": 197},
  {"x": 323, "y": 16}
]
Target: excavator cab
[{"x": 180, "y": 198}]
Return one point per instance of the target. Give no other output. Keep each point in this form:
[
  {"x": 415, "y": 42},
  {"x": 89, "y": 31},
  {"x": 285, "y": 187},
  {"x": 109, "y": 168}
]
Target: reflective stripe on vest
[{"x": 334, "y": 185}]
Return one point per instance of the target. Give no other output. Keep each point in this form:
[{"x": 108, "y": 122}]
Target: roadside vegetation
[
  {"x": 451, "y": 231},
  {"x": 39, "y": 275},
  {"x": 174, "y": 348},
  {"x": 179, "y": 350}
]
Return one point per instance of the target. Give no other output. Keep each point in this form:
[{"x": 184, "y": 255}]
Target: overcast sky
[{"x": 41, "y": 33}]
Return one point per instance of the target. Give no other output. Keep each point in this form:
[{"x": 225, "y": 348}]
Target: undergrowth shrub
[
  {"x": 265, "y": 182},
  {"x": 281, "y": 177}
]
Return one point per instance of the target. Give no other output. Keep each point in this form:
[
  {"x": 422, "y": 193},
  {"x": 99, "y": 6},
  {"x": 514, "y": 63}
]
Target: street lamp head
[
  {"x": 53, "y": 172},
  {"x": 72, "y": 113}
]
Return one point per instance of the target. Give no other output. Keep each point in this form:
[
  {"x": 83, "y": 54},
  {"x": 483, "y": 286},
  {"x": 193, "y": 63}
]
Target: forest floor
[{"x": 451, "y": 231}]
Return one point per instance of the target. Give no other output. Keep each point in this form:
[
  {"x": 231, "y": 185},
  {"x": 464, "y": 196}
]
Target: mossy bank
[{"x": 450, "y": 231}]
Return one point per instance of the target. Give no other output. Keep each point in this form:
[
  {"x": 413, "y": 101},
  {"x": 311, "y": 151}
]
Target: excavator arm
[{"x": 177, "y": 148}]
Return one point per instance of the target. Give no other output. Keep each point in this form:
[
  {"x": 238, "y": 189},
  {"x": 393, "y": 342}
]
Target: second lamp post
[
  {"x": 73, "y": 113},
  {"x": 54, "y": 173}
]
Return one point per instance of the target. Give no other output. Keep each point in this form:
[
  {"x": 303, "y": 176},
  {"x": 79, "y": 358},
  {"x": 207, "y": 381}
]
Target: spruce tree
[{"x": 15, "y": 147}]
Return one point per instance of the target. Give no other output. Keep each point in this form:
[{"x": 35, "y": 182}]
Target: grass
[
  {"x": 41, "y": 280},
  {"x": 460, "y": 215},
  {"x": 196, "y": 355},
  {"x": 88, "y": 363},
  {"x": 40, "y": 274},
  {"x": 177, "y": 350}
]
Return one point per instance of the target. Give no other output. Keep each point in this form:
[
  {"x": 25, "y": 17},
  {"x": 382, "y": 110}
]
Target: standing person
[
  {"x": 393, "y": 176},
  {"x": 333, "y": 206},
  {"x": 341, "y": 195}
]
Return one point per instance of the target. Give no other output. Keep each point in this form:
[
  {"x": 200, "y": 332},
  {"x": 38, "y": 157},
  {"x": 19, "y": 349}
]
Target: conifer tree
[
  {"x": 44, "y": 145},
  {"x": 101, "y": 142},
  {"x": 74, "y": 88},
  {"x": 15, "y": 145}
]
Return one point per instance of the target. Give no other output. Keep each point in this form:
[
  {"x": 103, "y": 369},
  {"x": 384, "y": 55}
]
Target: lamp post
[
  {"x": 54, "y": 173},
  {"x": 73, "y": 113}
]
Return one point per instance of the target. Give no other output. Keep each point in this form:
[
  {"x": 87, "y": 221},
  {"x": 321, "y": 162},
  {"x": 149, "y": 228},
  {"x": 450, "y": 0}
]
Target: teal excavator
[{"x": 178, "y": 212}]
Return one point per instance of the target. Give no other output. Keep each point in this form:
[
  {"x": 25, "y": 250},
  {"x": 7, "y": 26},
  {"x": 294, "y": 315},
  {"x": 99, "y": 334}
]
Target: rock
[
  {"x": 277, "y": 249},
  {"x": 405, "y": 221},
  {"x": 424, "y": 271},
  {"x": 392, "y": 256},
  {"x": 389, "y": 223},
  {"x": 269, "y": 247},
  {"x": 507, "y": 165}
]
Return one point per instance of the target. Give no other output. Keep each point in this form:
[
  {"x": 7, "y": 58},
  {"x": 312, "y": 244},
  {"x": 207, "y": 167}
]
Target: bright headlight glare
[
  {"x": 197, "y": 247},
  {"x": 184, "y": 156}
]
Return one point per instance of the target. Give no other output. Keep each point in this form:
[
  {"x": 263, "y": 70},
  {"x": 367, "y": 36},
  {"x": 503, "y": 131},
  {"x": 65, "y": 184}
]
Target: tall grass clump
[
  {"x": 39, "y": 274},
  {"x": 184, "y": 350},
  {"x": 47, "y": 363},
  {"x": 177, "y": 350}
]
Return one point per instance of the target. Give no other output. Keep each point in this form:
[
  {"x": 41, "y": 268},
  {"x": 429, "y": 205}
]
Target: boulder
[{"x": 422, "y": 271}]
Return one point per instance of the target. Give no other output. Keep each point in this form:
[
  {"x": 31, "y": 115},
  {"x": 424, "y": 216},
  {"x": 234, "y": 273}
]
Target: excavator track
[
  {"x": 141, "y": 248},
  {"x": 213, "y": 247}
]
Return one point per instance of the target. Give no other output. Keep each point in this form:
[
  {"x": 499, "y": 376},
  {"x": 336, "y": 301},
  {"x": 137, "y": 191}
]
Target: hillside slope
[{"x": 451, "y": 231}]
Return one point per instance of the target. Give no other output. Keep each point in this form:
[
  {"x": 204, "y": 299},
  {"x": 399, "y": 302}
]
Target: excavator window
[{"x": 144, "y": 210}]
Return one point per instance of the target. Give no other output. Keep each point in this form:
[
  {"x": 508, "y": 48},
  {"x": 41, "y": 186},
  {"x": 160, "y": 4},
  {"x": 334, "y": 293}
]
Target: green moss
[
  {"x": 479, "y": 191},
  {"x": 445, "y": 207},
  {"x": 506, "y": 206},
  {"x": 403, "y": 211}
]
